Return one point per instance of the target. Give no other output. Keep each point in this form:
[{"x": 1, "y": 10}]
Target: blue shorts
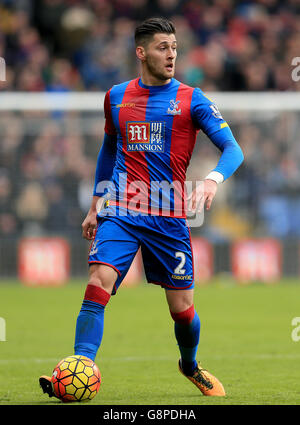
[{"x": 165, "y": 245}]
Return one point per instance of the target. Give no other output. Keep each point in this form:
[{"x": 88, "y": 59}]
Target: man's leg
[
  {"x": 187, "y": 332},
  {"x": 89, "y": 326},
  {"x": 90, "y": 321},
  {"x": 186, "y": 327},
  {"x": 111, "y": 254}
]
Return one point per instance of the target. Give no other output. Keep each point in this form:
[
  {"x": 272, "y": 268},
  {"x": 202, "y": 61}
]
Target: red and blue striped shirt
[{"x": 150, "y": 137}]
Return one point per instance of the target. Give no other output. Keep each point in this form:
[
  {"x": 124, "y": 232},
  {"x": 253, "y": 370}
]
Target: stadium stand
[{"x": 47, "y": 159}]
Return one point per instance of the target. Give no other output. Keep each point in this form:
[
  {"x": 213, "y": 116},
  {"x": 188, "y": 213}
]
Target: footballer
[{"x": 151, "y": 124}]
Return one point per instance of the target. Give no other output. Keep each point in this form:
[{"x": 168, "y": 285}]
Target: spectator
[
  {"x": 47, "y": 164},
  {"x": 32, "y": 208},
  {"x": 239, "y": 46},
  {"x": 8, "y": 220}
]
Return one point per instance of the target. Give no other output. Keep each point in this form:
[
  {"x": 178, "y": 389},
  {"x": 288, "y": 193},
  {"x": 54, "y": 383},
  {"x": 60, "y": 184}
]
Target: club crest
[{"x": 173, "y": 108}]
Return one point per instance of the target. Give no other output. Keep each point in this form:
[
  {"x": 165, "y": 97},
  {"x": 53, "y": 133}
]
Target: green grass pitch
[{"x": 245, "y": 341}]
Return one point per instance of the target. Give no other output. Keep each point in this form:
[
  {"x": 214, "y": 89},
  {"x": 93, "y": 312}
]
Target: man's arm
[
  {"x": 208, "y": 118},
  {"x": 231, "y": 158},
  {"x": 105, "y": 163},
  {"x": 104, "y": 169}
]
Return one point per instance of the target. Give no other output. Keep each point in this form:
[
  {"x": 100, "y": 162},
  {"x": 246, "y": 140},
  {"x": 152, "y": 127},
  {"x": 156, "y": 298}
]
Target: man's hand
[
  {"x": 89, "y": 224},
  {"x": 202, "y": 195}
]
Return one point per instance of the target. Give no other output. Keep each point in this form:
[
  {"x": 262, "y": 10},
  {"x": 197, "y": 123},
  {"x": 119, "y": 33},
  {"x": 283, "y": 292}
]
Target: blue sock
[
  {"x": 90, "y": 321},
  {"x": 188, "y": 336},
  {"x": 89, "y": 329}
]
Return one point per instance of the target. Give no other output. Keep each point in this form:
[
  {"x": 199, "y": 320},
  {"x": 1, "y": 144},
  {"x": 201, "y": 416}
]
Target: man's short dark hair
[{"x": 146, "y": 30}]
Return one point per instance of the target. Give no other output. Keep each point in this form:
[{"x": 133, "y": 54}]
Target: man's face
[{"x": 160, "y": 56}]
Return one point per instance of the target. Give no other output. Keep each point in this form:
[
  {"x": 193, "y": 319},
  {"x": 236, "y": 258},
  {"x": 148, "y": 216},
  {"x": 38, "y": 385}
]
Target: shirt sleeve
[
  {"x": 109, "y": 124},
  {"x": 232, "y": 155},
  {"x": 205, "y": 114},
  {"x": 105, "y": 165},
  {"x": 207, "y": 117}
]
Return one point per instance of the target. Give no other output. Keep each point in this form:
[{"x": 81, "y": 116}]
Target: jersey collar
[{"x": 154, "y": 88}]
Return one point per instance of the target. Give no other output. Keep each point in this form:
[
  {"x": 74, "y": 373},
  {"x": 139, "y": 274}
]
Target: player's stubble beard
[{"x": 153, "y": 69}]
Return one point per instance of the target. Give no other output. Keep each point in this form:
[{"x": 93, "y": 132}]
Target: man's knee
[
  {"x": 184, "y": 317},
  {"x": 180, "y": 300},
  {"x": 102, "y": 276},
  {"x": 96, "y": 294}
]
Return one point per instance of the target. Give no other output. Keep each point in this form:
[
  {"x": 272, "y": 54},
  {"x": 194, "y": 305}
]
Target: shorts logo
[
  {"x": 187, "y": 277},
  {"x": 94, "y": 248},
  {"x": 145, "y": 136}
]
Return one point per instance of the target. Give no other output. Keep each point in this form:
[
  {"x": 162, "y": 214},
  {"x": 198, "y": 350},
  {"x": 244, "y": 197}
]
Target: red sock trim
[
  {"x": 96, "y": 294},
  {"x": 184, "y": 317}
]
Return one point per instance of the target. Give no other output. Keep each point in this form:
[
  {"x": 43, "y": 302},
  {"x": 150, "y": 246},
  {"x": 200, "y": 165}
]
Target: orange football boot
[
  {"x": 208, "y": 384},
  {"x": 46, "y": 385}
]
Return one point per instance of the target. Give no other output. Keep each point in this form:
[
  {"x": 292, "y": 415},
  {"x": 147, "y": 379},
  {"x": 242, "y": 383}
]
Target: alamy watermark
[
  {"x": 2, "y": 69},
  {"x": 295, "y": 335},
  {"x": 170, "y": 199},
  {"x": 2, "y": 329},
  {"x": 296, "y": 70}
]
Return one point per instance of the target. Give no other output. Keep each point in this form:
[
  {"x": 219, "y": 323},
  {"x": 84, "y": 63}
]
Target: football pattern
[{"x": 76, "y": 378}]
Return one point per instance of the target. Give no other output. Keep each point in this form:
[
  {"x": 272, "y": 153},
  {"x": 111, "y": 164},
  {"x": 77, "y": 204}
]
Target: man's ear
[{"x": 140, "y": 52}]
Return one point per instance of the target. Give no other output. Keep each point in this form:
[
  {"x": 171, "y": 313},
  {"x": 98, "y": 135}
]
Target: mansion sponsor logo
[{"x": 145, "y": 136}]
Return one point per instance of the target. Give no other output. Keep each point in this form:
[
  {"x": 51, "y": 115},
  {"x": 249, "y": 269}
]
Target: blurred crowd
[
  {"x": 47, "y": 165},
  {"x": 61, "y": 45},
  {"x": 47, "y": 161}
]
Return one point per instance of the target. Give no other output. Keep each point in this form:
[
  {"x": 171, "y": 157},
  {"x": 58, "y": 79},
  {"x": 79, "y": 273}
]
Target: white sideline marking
[
  {"x": 103, "y": 359},
  {"x": 162, "y": 358},
  {"x": 2, "y": 327}
]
